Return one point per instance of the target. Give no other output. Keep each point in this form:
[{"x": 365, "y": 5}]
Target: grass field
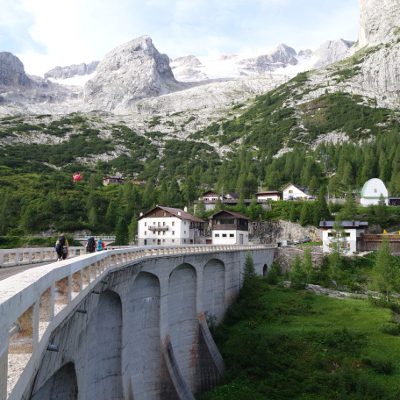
[{"x": 285, "y": 344}]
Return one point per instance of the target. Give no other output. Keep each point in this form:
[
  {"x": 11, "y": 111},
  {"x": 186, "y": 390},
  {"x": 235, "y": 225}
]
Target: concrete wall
[{"x": 141, "y": 331}]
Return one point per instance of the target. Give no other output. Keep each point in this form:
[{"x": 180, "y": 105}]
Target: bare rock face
[
  {"x": 379, "y": 73},
  {"x": 379, "y": 21},
  {"x": 331, "y": 52},
  {"x": 12, "y": 72},
  {"x": 128, "y": 73},
  {"x": 188, "y": 69},
  {"x": 281, "y": 57},
  {"x": 72, "y": 70}
]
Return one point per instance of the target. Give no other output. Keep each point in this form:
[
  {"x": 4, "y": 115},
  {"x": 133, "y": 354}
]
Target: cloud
[{"x": 46, "y": 33}]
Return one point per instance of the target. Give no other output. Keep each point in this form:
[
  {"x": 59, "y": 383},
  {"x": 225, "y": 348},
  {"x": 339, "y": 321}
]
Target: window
[
  {"x": 173, "y": 232},
  {"x": 173, "y": 223},
  {"x": 163, "y": 240},
  {"x": 145, "y": 224},
  {"x": 224, "y": 235},
  {"x": 159, "y": 223},
  {"x": 145, "y": 233},
  {"x": 290, "y": 191},
  {"x": 184, "y": 223},
  {"x": 173, "y": 240},
  {"x": 163, "y": 223},
  {"x": 184, "y": 240},
  {"x": 163, "y": 233},
  {"x": 184, "y": 232},
  {"x": 232, "y": 235},
  {"x": 217, "y": 235},
  {"x": 154, "y": 240}
]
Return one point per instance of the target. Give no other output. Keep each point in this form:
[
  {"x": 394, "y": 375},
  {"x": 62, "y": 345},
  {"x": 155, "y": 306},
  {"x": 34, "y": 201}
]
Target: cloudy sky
[{"x": 46, "y": 33}]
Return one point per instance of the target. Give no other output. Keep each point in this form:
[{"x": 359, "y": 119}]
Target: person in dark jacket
[
  {"x": 91, "y": 245},
  {"x": 62, "y": 248}
]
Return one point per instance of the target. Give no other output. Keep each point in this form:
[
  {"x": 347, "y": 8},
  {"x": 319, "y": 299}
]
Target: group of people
[
  {"x": 61, "y": 246},
  {"x": 92, "y": 245}
]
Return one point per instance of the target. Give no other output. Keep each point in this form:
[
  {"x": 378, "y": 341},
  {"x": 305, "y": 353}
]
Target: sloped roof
[
  {"x": 302, "y": 188},
  {"x": 234, "y": 214},
  {"x": 344, "y": 224},
  {"x": 176, "y": 212}
]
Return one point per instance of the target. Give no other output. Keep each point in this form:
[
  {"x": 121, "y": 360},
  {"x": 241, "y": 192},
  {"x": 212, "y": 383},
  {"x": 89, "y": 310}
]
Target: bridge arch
[
  {"x": 213, "y": 291},
  {"x": 62, "y": 385},
  {"x": 182, "y": 321},
  {"x": 144, "y": 346},
  {"x": 104, "y": 369}
]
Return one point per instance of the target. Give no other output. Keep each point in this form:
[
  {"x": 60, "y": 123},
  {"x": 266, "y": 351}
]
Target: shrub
[
  {"x": 391, "y": 329},
  {"x": 380, "y": 365}
]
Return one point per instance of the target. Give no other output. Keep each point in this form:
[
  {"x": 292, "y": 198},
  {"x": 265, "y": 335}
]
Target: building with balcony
[
  {"x": 167, "y": 226},
  {"x": 229, "y": 228}
]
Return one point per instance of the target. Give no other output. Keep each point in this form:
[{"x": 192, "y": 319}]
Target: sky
[{"x": 47, "y": 33}]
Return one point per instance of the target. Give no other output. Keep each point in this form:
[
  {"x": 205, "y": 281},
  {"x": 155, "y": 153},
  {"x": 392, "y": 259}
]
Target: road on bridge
[{"x": 6, "y": 272}]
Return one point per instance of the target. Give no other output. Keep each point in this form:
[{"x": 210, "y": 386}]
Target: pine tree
[
  {"x": 387, "y": 273},
  {"x": 349, "y": 211},
  {"x": 306, "y": 215},
  {"x": 297, "y": 275},
  {"x": 308, "y": 265},
  {"x": 132, "y": 229},
  {"x": 249, "y": 271},
  {"x": 321, "y": 210},
  {"x": 121, "y": 233},
  {"x": 112, "y": 216},
  {"x": 200, "y": 209}
]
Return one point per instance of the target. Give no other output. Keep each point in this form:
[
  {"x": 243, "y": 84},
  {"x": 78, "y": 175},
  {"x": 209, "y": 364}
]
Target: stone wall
[{"x": 276, "y": 231}]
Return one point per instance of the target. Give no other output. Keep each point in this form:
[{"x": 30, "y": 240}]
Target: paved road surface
[{"x": 6, "y": 272}]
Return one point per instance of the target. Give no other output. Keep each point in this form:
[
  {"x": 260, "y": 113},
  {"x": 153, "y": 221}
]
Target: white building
[
  {"x": 166, "y": 226},
  {"x": 347, "y": 238},
  {"x": 229, "y": 228},
  {"x": 292, "y": 192},
  {"x": 372, "y": 192},
  {"x": 268, "y": 195}
]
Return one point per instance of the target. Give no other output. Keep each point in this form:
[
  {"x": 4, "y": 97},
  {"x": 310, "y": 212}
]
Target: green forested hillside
[{"x": 281, "y": 136}]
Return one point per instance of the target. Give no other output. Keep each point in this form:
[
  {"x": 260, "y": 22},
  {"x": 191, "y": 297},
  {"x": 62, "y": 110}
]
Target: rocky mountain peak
[
  {"x": 379, "y": 21},
  {"x": 331, "y": 51},
  {"x": 12, "y": 72},
  {"x": 71, "y": 71},
  {"x": 128, "y": 73},
  {"x": 284, "y": 54}
]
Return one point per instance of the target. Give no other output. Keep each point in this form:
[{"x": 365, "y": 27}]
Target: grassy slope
[{"x": 285, "y": 344}]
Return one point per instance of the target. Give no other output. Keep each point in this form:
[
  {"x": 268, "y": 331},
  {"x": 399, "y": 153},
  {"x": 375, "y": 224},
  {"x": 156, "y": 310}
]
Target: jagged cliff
[
  {"x": 380, "y": 19},
  {"x": 130, "y": 72}
]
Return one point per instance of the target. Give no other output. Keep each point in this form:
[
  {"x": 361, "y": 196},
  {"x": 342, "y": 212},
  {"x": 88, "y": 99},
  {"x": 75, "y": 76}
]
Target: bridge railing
[
  {"x": 34, "y": 302},
  {"x": 35, "y": 255},
  {"x": 22, "y": 256}
]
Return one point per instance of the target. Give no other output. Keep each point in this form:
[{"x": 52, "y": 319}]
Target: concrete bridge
[{"x": 126, "y": 324}]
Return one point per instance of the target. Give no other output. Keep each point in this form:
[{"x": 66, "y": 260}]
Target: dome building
[{"x": 372, "y": 192}]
